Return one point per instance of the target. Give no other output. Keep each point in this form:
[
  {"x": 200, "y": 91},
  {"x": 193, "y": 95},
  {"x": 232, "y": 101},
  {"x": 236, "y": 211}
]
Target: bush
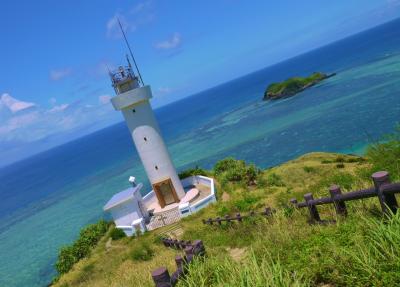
[
  {"x": 275, "y": 180},
  {"x": 117, "y": 233},
  {"x": 309, "y": 169},
  {"x": 66, "y": 259},
  {"x": 386, "y": 155},
  {"x": 340, "y": 159},
  {"x": 88, "y": 238},
  {"x": 141, "y": 252},
  {"x": 236, "y": 171},
  {"x": 340, "y": 165},
  {"x": 224, "y": 165},
  {"x": 192, "y": 171},
  {"x": 246, "y": 203}
]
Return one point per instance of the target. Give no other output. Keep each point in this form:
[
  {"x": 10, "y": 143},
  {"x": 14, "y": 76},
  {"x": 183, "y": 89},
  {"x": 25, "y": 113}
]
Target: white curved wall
[{"x": 150, "y": 145}]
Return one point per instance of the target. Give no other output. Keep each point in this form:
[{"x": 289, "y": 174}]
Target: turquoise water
[{"x": 66, "y": 187}]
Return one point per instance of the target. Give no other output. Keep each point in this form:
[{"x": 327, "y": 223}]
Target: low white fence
[{"x": 187, "y": 208}]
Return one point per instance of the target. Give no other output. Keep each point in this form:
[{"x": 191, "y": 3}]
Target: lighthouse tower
[{"x": 133, "y": 100}]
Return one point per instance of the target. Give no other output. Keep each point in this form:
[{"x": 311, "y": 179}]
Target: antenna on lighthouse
[{"x": 130, "y": 51}]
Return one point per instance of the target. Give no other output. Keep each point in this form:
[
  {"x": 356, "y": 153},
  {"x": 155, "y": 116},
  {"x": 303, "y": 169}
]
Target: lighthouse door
[{"x": 165, "y": 192}]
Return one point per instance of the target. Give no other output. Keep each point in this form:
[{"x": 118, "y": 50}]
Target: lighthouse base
[{"x": 199, "y": 192}]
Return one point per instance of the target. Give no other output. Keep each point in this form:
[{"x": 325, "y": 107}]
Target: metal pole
[{"x": 130, "y": 51}]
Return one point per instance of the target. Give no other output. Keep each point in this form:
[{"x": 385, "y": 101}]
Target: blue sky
[{"x": 54, "y": 85}]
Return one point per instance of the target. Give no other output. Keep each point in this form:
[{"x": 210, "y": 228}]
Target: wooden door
[{"x": 165, "y": 192}]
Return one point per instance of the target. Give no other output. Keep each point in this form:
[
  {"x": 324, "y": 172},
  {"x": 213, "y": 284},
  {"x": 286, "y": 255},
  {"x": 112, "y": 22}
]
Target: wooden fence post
[
  {"x": 381, "y": 178},
  {"x": 179, "y": 261},
  {"x": 268, "y": 211},
  {"x": 314, "y": 215},
  {"x": 340, "y": 206},
  {"x": 188, "y": 253},
  {"x": 238, "y": 217},
  {"x": 198, "y": 248},
  {"x": 161, "y": 277},
  {"x": 293, "y": 201}
]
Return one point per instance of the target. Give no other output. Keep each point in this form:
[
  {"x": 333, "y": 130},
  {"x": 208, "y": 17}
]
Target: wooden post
[
  {"x": 188, "y": 254},
  {"x": 293, "y": 201},
  {"x": 314, "y": 215},
  {"x": 219, "y": 220},
  {"x": 227, "y": 218},
  {"x": 179, "y": 261},
  {"x": 161, "y": 277},
  {"x": 340, "y": 206},
  {"x": 238, "y": 217},
  {"x": 381, "y": 178}
]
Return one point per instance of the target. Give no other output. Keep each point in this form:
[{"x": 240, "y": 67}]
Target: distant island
[{"x": 294, "y": 85}]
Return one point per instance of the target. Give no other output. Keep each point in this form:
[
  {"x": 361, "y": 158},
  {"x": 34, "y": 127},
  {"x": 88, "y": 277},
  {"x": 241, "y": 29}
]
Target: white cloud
[
  {"x": 112, "y": 27},
  {"x": 26, "y": 128},
  {"x": 140, "y": 14},
  {"x": 170, "y": 43},
  {"x": 56, "y": 75},
  {"x": 104, "y": 99},
  {"x": 13, "y": 104},
  {"x": 59, "y": 108},
  {"x": 141, "y": 6}
]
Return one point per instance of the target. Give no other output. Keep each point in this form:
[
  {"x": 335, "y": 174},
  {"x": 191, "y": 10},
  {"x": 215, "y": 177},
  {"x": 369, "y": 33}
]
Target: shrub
[
  {"x": 340, "y": 165},
  {"x": 386, "y": 155},
  {"x": 325, "y": 161},
  {"x": 224, "y": 165},
  {"x": 275, "y": 180},
  {"x": 236, "y": 171},
  {"x": 246, "y": 203},
  {"x": 66, "y": 259},
  {"x": 142, "y": 252},
  {"x": 340, "y": 159},
  {"x": 117, "y": 233},
  {"x": 309, "y": 169},
  {"x": 88, "y": 238},
  {"x": 192, "y": 171}
]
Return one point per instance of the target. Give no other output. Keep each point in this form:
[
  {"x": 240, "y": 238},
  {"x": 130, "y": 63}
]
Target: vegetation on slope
[
  {"x": 360, "y": 250},
  {"x": 293, "y": 86}
]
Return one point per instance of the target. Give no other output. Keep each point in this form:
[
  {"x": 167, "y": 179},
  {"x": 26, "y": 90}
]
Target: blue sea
[{"x": 47, "y": 198}]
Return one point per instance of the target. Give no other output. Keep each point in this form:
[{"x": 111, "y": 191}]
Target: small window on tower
[
  {"x": 133, "y": 111},
  {"x": 156, "y": 167},
  {"x": 145, "y": 139}
]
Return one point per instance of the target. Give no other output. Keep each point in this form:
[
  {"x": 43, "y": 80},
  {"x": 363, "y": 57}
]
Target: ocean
[{"x": 47, "y": 198}]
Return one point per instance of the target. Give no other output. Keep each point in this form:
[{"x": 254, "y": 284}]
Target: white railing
[{"x": 187, "y": 209}]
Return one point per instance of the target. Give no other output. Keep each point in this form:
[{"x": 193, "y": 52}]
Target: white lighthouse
[{"x": 133, "y": 100}]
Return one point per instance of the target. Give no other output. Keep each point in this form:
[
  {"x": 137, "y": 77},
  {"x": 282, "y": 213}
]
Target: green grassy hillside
[{"x": 360, "y": 250}]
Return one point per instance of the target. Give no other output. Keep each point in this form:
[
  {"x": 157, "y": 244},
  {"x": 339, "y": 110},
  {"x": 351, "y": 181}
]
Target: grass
[{"x": 360, "y": 250}]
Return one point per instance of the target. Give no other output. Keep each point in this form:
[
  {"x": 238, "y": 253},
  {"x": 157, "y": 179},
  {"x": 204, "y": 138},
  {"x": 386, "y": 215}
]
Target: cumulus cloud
[
  {"x": 13, "y": 104},
  {"x": 56, "y": 75},
  {"x": 112, "y": 27},
  {"x": 173, "y": 42},
  {"x": 58, "y": 108},
  {"x": 23, "y": 124},
  {"x": 140, "y": 14}
]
